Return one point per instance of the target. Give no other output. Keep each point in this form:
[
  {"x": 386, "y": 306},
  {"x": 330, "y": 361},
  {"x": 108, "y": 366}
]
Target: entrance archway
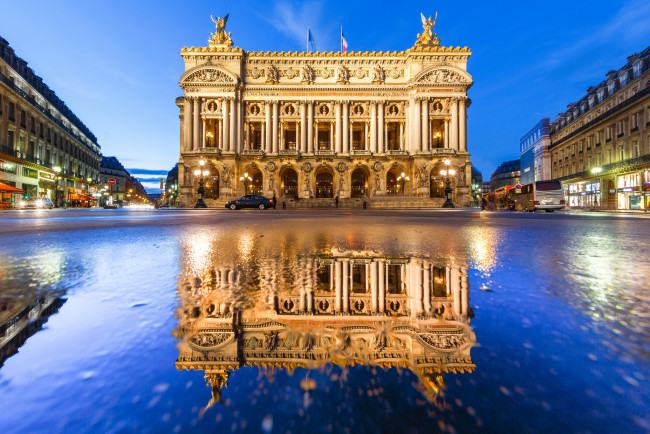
[
  {"x": 436, "y": 186},
  {"x": 395, "y": 181},
  {"x": 212, "y": 187},
  {"x": 256, "y": 185},
  {"x": 359, "y": 183},
  {"x": 290, "y": 183},
  {"x": 324, "y": 183}
]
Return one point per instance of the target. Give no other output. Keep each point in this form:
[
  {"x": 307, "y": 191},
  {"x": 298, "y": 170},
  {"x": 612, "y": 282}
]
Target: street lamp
[
  {"x": 209, "y": 135},
  {"x": 448, "y": 173},
  {"x": 402, "y": 180},
  {"x": 201, "y": 191},
  {"x": 57, "y": 170},
  {"x": 246, "y": 178}
]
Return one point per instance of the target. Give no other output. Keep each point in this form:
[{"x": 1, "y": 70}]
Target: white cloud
[{"x": 292, "y": 19}]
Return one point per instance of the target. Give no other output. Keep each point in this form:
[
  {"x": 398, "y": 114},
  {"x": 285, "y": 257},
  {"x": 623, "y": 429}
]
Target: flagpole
[
  {"x": 341, "y": 39},
  {"x": 308, "y": 38}
]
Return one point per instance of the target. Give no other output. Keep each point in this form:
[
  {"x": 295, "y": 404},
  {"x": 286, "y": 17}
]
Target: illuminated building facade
[
  {"x": 600, "y": 146},
  {"x": 42, "y": 142},
  {"x": 319, "y": 125}
]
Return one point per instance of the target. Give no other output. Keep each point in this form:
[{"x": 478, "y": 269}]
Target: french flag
[{"x": 344, "y": 42}]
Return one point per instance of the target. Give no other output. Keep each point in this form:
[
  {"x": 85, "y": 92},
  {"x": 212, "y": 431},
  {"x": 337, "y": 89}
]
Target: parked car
[
  {"x": 251, "y": 201},
  {"x": 41, "y": 203}
]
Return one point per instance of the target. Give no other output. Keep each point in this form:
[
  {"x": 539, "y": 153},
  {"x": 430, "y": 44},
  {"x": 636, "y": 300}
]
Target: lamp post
[
  {"x": 209, "y": 136},
  {"x": 201, "y": 191},
  {"x": 402, "y": 180},
  {"x": 57, "y": 170},
  {"x": 245, "y": 179},
  {"x": 448, "y": 173}
]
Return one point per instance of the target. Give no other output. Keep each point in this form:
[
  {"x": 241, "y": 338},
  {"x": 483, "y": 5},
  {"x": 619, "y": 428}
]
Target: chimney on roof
[
  {"x": 591, "y": 89},
  {"x": 631, "y": 58},
  {"x": 611, "y": 74}
]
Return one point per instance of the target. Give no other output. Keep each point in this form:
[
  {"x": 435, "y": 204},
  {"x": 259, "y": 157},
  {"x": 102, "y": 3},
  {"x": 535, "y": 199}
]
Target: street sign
[
  {"x": 111, "y": 181},
  {"x": 518, "y": 188}
]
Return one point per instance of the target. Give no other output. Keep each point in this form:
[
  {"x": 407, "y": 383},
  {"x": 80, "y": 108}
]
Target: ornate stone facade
[{"x": 324, "y": 125}]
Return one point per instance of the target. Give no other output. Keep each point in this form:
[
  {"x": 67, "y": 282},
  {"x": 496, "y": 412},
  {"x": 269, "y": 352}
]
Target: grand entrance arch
[
  {"x": 212, "y": 186},
  {"x": 289, "y": 183},
  {"x": 396, "y": 181},
  {"x": 359, "y": 183},
  {"x": 324, "y": 182},
  {"x": 436, "y": 186}
]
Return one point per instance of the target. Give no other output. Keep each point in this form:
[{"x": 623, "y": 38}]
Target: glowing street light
[
  {"x": 245, "y": 179},
  {"x": 201, "y": 191},
  {"x": 448, "y": 173}
]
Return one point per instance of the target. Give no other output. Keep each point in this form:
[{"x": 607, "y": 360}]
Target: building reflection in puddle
[{"x": 340, "y": 308}]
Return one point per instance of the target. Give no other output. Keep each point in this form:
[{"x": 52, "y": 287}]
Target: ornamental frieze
[
  {"x": 210, "y": 340},
  {"x": 209, "y": 76},
  {"x": 442, "y": 76},
  {"x": 443, "y": 341}
]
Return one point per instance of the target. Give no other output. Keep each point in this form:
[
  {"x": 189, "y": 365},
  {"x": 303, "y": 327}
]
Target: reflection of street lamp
[
  {"x": 57, "y": 170},
  {"x": 447, "y": 173},
  {"x": 246, "y": 178},
  {"x": 402, "y": 180},
  {"x": 209, "y": 136},
  {"x": 201, "y": 191}
]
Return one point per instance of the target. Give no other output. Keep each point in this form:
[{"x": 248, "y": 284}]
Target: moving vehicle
[
  {"x": 503, "y": 198},
  {"x": 251, "y": 201},
  {"x": 543, "y": 195},
  {"x": 42, "y": 203}
]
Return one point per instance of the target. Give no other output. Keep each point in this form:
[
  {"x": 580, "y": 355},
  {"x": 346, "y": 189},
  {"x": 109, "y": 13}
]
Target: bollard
[
  {"x": 365, "y": 204},
  {"x": 284, "y": 205}
]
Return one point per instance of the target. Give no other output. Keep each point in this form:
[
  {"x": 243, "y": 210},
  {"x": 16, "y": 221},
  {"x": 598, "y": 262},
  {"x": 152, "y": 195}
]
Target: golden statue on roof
[
  {"x": 428, "y": 38},
  {"x": 220, "y": 37}
]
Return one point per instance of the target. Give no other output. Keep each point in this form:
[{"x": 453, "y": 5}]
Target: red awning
[{"x": 4, "y": 188}]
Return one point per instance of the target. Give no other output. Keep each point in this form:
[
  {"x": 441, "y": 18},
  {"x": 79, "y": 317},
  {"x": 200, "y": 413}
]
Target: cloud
[
  {"x": 86, "y": 92},
  {"x": 134, "y": 171},
  {"x": 292, "y": 19}
]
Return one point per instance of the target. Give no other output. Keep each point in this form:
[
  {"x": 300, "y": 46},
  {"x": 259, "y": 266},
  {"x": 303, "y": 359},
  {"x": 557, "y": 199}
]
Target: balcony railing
[
  {"x": 360, "y": 152},
  {"x": 253, "y": 152},
  {"x": 288, "y": 152},
  {"x": 324, "y": 152}
]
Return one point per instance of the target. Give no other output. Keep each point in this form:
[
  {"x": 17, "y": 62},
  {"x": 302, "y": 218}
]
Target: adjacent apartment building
[
  {"x": 600, "y": 146},
  {"x": 534, "y": 158},
  {"x": 44, "y": 148}
]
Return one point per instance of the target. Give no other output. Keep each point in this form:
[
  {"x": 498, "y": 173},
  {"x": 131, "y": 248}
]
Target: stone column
[
  {"x": 246, "y": 137},
  {"x": 426, "y": 286},
  {"x": 332, "y": 135},
  {"x": 233, "y": 126},
  {"x": 195, "y": 133},
  {"x": 454, "y": 287},
  {"x": 401, "y": 137},
  {"x": 373, "y": 286},
  {"x": 416, "y": 132},
  {"x": 454, "y": 124},
  {"x": 337, "y": 286},
  {"x": 303, "y": 128},
  {"x": 275, "y": 127},
  {"x": 425, "y": 125},
  {"x": 446, "y": 134},
  {"x": 366, "y": 145},
  {"x": 417, "y": 270},
  {"x": 220, "y": 133},
  {"x": 310, "y": 127},
  {"x": 373, "y": 127},
  {"x": 346, "y": 285},
  {"x": 240, "y": 126},
  {"x": 298, "y": 142},
  {"x": 187, "y": 120},
  {"x": 281, "y": 147},
  {"x": 462, "y": 126},
  {"x": 338, "y": 135},
  {"x": 381, "y": 268},
  {"x": 268, "y": 129},
  {"x": 263, "y": 138},
  {"x": 346, "y": 127},
  {"x": 225, "y": 125},
  {"x": 381, "y": 129}
]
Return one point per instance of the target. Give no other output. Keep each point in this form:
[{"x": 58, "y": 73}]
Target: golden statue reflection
[{"x": 285, "y": 309}]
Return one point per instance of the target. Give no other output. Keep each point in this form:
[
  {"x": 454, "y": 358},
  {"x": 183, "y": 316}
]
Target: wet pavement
[{"x": 293, "y": 321}]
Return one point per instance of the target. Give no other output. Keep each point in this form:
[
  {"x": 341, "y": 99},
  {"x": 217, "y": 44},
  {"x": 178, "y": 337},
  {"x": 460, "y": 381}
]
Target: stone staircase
[{"x": 377, "y": 202}]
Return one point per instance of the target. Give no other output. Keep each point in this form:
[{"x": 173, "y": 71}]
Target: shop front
[
  {"x": 646, "y": 189},
  {"x": 629, "y": 194},
  {"x": 10, "y": 196},
  {"x": 583, "y": 194}
]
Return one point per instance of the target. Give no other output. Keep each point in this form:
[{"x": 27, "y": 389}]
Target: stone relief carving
[
  {"x": 207, "y": 340},
  {"x": 377, "y": 167},
  {"x": 443, "y": 341},
  {"x": 421, "y": 176},
  {"x": 442, "y": 76},
  {"x": 208, "y": 76},
  {"x": 271, "y": 74},
  {"x": 341, "y": 167},
  {"x": 377, "y": 74},
  {"x": 342, "y": 74},
  {"x": 306, "y": 167},
  {"x": 271, "y": 167},
  {"x": 307, "y": 74}
]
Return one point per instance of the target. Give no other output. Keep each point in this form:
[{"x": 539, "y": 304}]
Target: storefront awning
[{"x": 4, "y": 188}]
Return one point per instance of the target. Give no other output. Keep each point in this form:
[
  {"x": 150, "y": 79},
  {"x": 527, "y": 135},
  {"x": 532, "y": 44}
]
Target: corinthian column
[
  {"x": 268, "y": 130},
  {"x": 381, "y": 128},
  {"x": 187, "y": 120},
  {"x": 233, "y": 126},
  {"x": 454, "y": 124},
  {"x": 303, "y": 127},
  {"x": 338, "y": 135},
  {"x": 225, "y": 125},
  {"x": 462, "y": 126},
  {"x": 415, "y": 131},
  {"x": 346, "y": 128},
  {"x": 373, "y": 127},
  {"x": 197, "y": 117},
  {"x": 425, "y": 125},
  {"x": 275, "y": 127},
  {"x": 310, "y": 127},
  {"x": 446, "y": 133}
]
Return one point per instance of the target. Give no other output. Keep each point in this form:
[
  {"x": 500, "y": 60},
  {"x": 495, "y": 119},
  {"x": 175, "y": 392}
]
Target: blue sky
[{"x": 117, "y": 64}]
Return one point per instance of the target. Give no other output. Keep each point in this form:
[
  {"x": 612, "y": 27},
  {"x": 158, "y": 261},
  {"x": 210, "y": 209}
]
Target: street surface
[{"x": 558, "y": 304}]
